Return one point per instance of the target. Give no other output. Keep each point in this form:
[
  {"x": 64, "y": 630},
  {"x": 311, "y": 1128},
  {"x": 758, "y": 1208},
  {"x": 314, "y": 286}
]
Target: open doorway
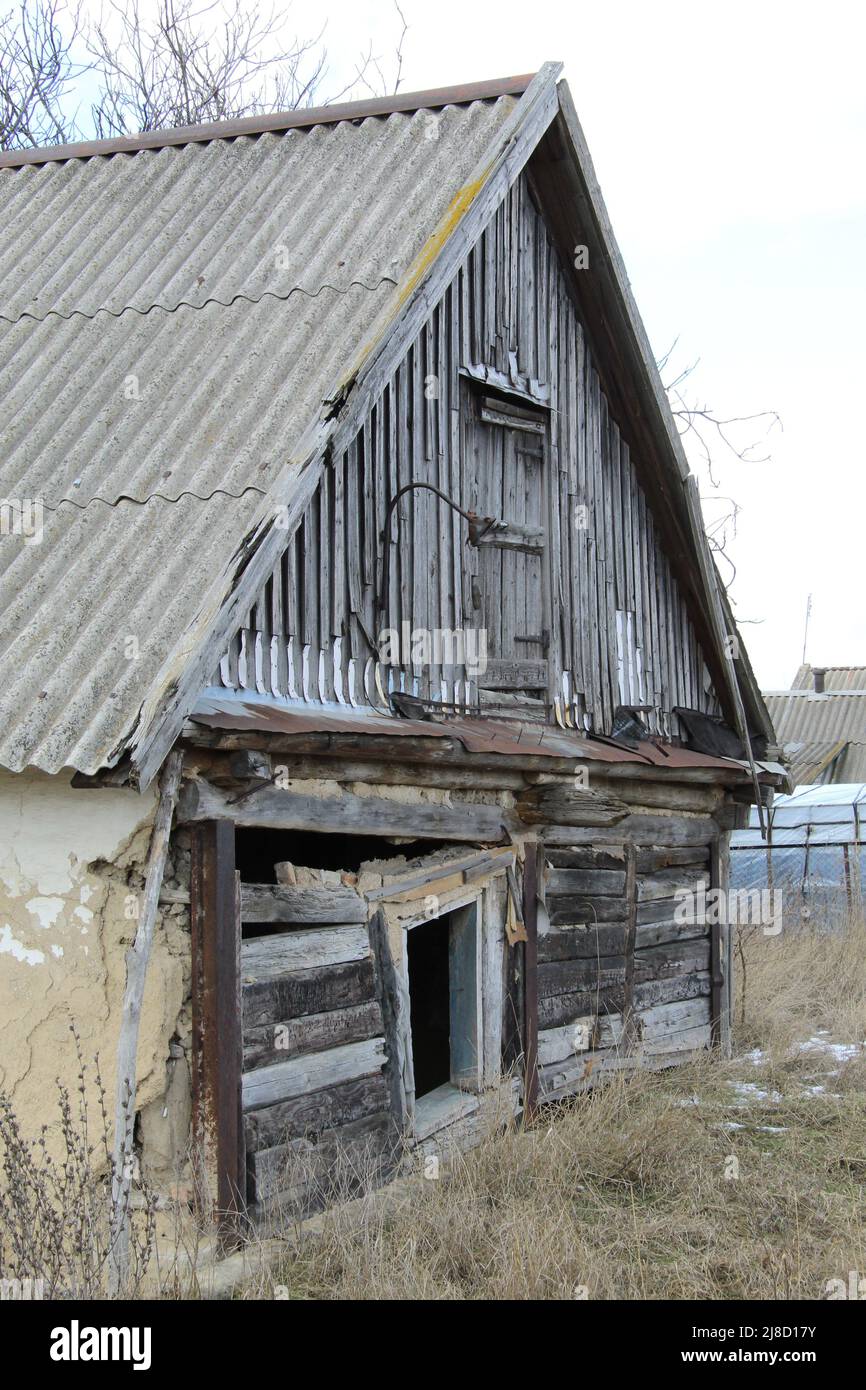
[{"x": 442, "y": 958}]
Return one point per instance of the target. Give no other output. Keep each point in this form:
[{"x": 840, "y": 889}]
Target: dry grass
[{"x": 628, "y": 1192}]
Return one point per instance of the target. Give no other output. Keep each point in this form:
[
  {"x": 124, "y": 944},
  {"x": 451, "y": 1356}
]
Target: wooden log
[
  {"x": 583, "y": 911},
  {"x": 557, "y": 1010},
  {"x": 586, "y": 858},
  {"x": 582, "y": 942},
  {"x": 691, "y": 856},
  {"x": 265, "y": 958},
  {"x": 665, "y": 793},
  {"x": 668, "y": 883},
  {"x": 638, "y": 829},
  {"x": 574, "y": 976},
  {"x": 295, "y": 1037},
  {"x": 600, "y": 1032},
  {"x": 660, "y": 933},
  {"x": 284, "y": 1080},
  {"x": 591, "y": 882},
  {"x": 674, "y": 958},
  {"x": 661, "y": 910},
  {"x": 337, "y": 903},
  {"x": 306, "y": 1172},
  {"x": 277, "y": 809},
  {"x": 560, "y": 804},
  {"x": 317, "y": 1111},
  {"x": 308, "y": 992},
  {"x": 685, "y": 1040},
  {"x": 651, "y": 992}
]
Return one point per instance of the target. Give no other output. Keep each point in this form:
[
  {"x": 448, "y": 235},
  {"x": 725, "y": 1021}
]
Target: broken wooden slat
[{"x": 265, "y": 902}]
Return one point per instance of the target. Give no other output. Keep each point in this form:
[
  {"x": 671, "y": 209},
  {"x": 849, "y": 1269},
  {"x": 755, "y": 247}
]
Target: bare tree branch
[{"x": 37, "y": 73}]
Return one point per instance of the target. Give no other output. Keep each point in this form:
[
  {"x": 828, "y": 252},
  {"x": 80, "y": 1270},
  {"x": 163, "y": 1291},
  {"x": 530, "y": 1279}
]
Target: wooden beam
[
  {"x": 531, "y": 870},
  {"x": 277, "y": 809},
  {"x": 301, "y": 907},
  {"x": 216, "y": 1019},
  {"x": 558, "y": 803}
]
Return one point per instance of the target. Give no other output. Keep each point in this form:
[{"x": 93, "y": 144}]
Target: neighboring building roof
[
  {"x": 823, "y": 732},
  {"x": 231, "y": 285},
  {"x": 189, "y": 320},
  {"x": 835, "y": 677}
]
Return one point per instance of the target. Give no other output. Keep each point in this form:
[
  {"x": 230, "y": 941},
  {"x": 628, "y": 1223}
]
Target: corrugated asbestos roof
[
  {"x": 835, "y": 677},
  {"x": 823, "y": 735},
  {"x": 810, "y": 718},
  {"x": 171, "y": 322}
]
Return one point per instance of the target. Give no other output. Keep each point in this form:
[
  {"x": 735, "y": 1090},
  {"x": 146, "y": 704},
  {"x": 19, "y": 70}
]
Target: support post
[
  {"x": 137, "y": 959},
  {"x": 216, "y": 1023}
]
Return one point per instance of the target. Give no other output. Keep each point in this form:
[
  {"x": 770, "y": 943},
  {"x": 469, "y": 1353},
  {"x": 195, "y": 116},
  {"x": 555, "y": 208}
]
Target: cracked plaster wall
[{"x": 71, "y": 870}]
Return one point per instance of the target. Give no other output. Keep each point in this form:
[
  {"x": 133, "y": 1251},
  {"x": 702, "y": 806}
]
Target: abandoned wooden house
[{"x": 347, "y": 532}]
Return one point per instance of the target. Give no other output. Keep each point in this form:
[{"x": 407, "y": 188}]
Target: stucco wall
[{"x": 71, "y": 874}]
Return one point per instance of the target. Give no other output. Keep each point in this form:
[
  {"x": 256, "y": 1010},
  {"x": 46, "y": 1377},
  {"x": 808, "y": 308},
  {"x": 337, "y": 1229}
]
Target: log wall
[{"x": 621, "y": 981}]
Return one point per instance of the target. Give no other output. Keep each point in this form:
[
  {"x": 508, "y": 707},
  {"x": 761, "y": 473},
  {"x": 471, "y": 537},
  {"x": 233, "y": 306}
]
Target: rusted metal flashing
[
  {"x": 476, "y": 735},
  {"x": 273, "y": 122}
]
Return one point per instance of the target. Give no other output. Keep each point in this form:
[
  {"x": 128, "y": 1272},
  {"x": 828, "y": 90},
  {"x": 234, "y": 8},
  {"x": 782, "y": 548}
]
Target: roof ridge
[{"x": 274, "y": 121}]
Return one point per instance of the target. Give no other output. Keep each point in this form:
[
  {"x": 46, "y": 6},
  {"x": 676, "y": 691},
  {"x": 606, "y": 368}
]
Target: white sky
[{"x": 729, "y": 143}]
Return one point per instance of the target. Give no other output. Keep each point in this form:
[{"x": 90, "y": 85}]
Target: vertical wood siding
[{"x": 508, "y": 316}]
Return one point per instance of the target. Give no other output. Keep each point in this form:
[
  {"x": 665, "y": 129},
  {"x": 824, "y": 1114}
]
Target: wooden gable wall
[{"x": 510, "y": 316}]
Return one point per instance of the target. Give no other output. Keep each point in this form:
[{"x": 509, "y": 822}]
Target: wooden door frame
[{"x": 217, "y": 1047}]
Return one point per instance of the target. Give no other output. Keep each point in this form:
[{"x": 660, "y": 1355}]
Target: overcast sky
[{"x": 729, "y": 141}]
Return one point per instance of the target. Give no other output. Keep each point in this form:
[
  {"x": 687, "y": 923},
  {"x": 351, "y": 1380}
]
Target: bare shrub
[{"x": 55, "y": 1199}]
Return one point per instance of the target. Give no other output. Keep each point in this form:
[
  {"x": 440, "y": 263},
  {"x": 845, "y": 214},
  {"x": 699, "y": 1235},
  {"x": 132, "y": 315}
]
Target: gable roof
[
  {"x": 171, "y": 322},
  {"x": 187, "y": 323}
]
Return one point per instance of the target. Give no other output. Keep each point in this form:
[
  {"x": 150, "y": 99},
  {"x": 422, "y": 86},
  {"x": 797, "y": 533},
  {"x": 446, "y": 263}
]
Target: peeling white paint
[
  {"x": 10, "y": 946},
  {"x": 46, "y": 909},
  {"x": 57, "y": 951}
]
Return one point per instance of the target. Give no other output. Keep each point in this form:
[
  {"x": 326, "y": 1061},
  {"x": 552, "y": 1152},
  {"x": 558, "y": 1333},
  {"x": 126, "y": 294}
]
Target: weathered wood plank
[
  {"x": 278, "y": 809},
  {"x": 308, "y": 992},
  {"x": 580, "y": 943},
  {"x": 319, "y": 1110},
  {"x": 264, "y": 902},
  {"x": 306, "y": 1174},
  {"x": 295, "y": 1037},
  {"x": 284, "y": 1080},
  {"x": 558, "y": 804},
  {"x": 264, "y": 958},
  {"x": 639, "y": 829},
  {"x": 605, "y": 882},
  {"x": 566, "y": 910},
  {"x": 586, "y": 858}
]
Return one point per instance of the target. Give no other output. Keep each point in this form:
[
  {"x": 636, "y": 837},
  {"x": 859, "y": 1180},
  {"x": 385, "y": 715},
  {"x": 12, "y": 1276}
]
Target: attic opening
[{"x": 258, "y": 849}]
